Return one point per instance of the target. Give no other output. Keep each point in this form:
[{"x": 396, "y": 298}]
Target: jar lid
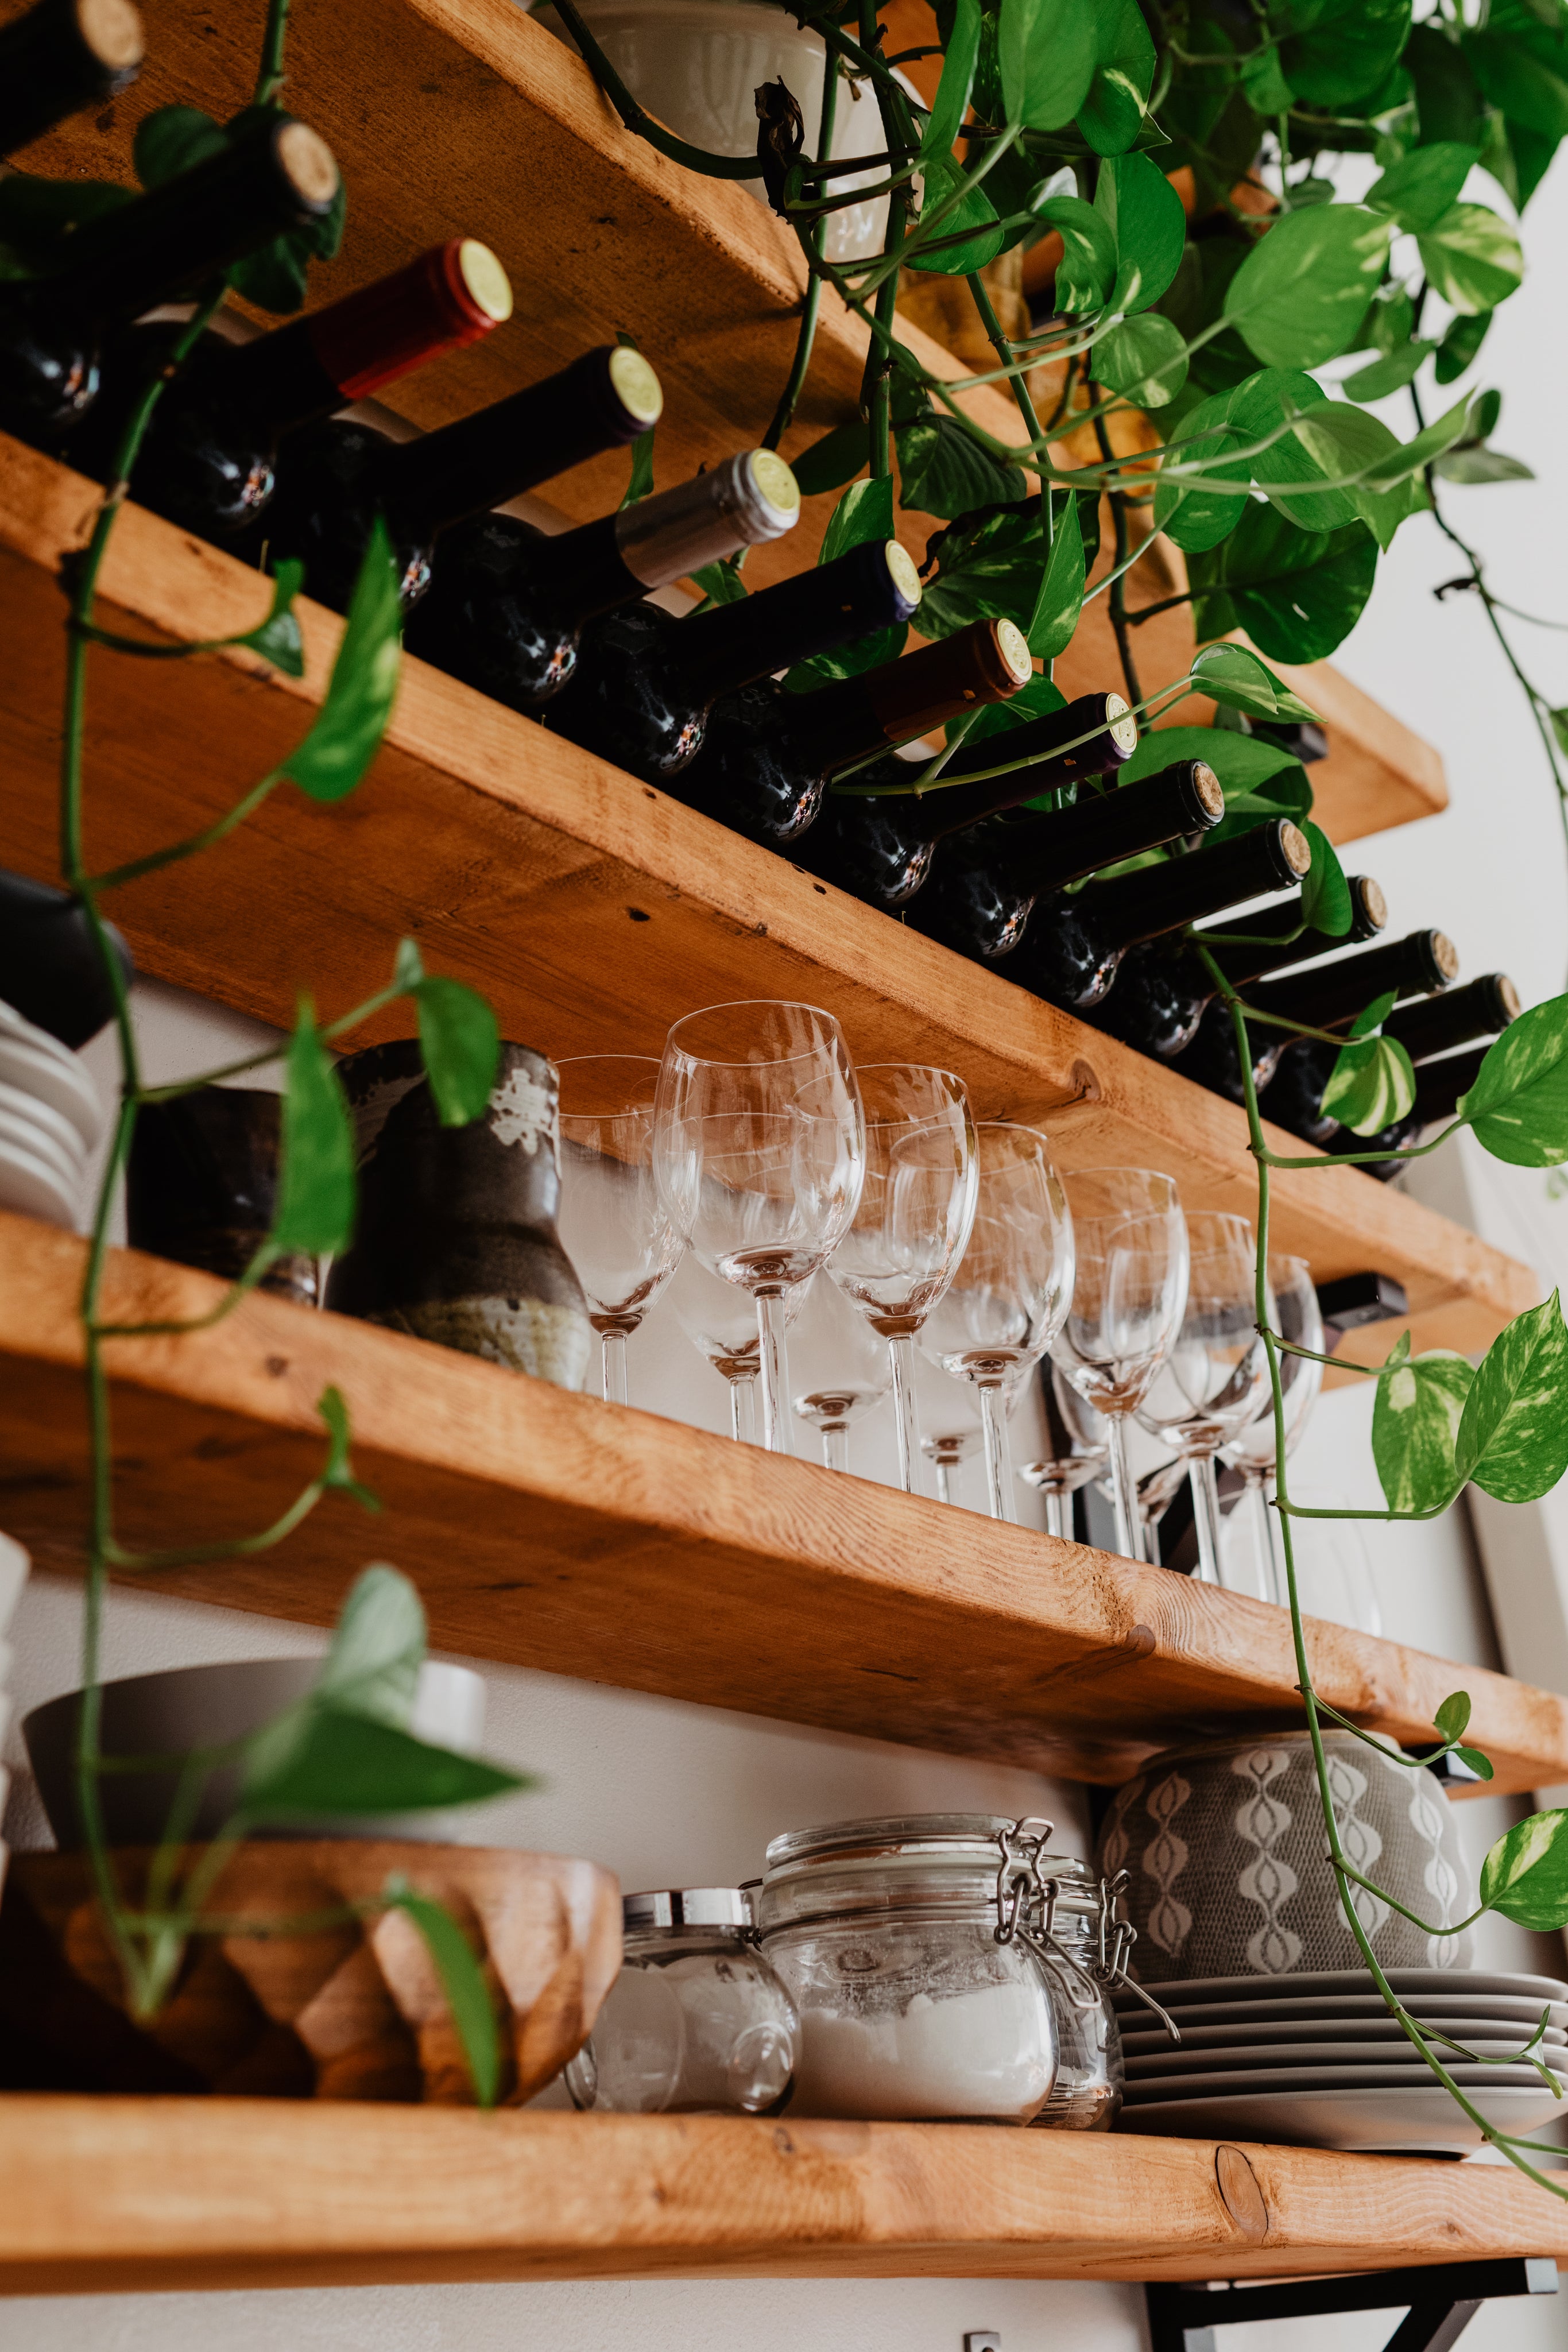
[
  {"x": 687, "y": 1906},
  {"x": 957, "y": 1837}
]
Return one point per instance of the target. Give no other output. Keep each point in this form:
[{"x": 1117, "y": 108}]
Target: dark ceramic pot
[
  {"x": 50, "y": 971},
  {"x": 456, "y": 1238},
  {"x": 202, "y": 1186}
]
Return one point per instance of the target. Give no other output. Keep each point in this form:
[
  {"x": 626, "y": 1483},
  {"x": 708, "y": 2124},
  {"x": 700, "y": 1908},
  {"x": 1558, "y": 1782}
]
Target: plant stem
[
  {"x": 811, "y": 301},
  {"x": 1117, "y": 604},
  {"x": 269, "y": 73}
]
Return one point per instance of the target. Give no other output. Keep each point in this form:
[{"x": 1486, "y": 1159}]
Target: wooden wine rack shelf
[
  {"x": 591, "y": 909},
  {"x": 461, "y": 118},
  {"x": 550, "y": 1531},
  {"x": 110, "y": 2194}
]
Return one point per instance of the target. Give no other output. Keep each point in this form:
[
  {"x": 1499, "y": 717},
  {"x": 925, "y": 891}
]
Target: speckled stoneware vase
[
  {"x": 457, "y": 1236},
  {"x": 1228, "y": 1862}
]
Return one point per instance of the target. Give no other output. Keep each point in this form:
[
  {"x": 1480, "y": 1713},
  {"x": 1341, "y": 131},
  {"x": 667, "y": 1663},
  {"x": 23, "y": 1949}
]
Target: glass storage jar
[
  {"x": 1087, "y": 2093},
  {"x": 920, "y": 1954},
  {"x": 697, "y": 2022}
]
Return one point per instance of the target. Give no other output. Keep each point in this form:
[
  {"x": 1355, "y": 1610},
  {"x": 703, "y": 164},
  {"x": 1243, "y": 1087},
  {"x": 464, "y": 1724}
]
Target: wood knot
[
  {"x": 1142, "y": 1642},
  {"x": 276, "y": 1365},
  {"x": 1244, "y": 2200}
]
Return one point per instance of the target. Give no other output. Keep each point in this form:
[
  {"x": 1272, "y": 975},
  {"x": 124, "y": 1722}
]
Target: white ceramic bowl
[{"x": 695, "y": 65}]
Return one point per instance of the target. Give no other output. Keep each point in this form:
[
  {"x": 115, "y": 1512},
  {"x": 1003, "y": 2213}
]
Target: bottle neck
[
  {"x": 1414, "y": 966},
  {"x": 62, "y": 55},
  {"x": 1161, "y": 898},
  {"x": 855, "y": 716},
  {"x": 721, "y": 651},
  {"x": 1440, "y": 1085},
  {"x": 511, "y": 447},
  {"x": 446, "y": 300},
  {"x": 1434, "y": 1024},
  {"x": 1064, "y": 845},
  {"x": 276, "y": 176},
  {"x": 1283, "y": 942},
  {"x": 1103, "y": 718}
]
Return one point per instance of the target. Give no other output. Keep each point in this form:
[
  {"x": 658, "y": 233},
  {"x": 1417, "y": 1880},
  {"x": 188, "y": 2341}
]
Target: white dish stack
[
  {"x": 50, "y": 1119},
  {"x": 1317, "y": 2059},
  {"x": 14, "y": 1564}
]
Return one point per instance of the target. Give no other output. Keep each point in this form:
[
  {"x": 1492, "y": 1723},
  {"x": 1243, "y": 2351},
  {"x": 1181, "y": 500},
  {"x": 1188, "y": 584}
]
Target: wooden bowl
[{"x": 349, "y": 2010}]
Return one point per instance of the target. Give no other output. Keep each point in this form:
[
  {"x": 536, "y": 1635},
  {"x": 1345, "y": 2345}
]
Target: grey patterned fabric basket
[{"x": 1228, "y": 1860}]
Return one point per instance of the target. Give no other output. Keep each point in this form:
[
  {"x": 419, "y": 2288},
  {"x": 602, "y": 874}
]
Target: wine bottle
[
  {"x": 1484, "y": 1008},
  {"x": 51, "y": 969},
  {"x": 336, "y": 477},
  {"x": 1073, "y": 948},
  {"x": 1295, "y": 1070},
  {"x": 881, "y": 850},
  {"x": 62, "y": 55},
  {"x": 208, "y": 459},
  {"x": 1167, "y": 1003},
  {"x": 275, "y": 174},
  {"x": 646, "y": 681},
  {"x": 505, "y": 610},
  {"x": 769, "y": 755},
  {"x": 986, "y": 889}
]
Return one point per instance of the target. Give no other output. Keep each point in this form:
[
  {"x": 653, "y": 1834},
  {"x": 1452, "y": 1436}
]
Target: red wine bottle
[
  {"x": 1296, "y": 1069},
  {"x": 1165, "y": 991},
  {"x": 1484, "y": 1008},
  {"x": 769, "y": 755},
  {"x": 881, "y": 850},
  {"x": 335, "y": 478},
  {"x": 647, "y": 681},
  {"x": 275, "y": 174},
  {"x": 507, "y": 608},
  {"x": 992, "y": 877},
  {"x": 1076, "y": 942},
  {"x": 208, "y": 459},
  {"x": 62, "y": 55}
]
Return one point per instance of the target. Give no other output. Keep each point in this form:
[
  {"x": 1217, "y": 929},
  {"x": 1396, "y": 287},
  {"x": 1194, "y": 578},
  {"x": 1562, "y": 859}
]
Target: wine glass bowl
[
  {"x": 614, "y": 1225},
  {"x": 1006, "y": 1302},
  {"x": 1252, "y": 1450},
  {"x": 760, "y": 1153},
  {"x": 1126, "y": 1308},
  {"x": 913, "y": 1220}
]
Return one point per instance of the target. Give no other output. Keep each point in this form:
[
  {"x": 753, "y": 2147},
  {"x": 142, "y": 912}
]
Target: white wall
[{"x": 666, "y": 1793}]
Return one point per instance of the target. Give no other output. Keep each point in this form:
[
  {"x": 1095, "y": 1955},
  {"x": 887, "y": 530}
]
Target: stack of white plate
[
  {"x": 1318, "y": 2060},
  {"x": 14, "y": 1564},
  {"x": 50, "y": 1119}
]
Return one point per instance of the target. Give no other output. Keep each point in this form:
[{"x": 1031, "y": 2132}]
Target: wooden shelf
[
  {"x": 479, "y": 122},
  {"x": 591, "y": 909},
  {"x": 109, "y": 2195},
  {"x": 550, "y": 1531}
]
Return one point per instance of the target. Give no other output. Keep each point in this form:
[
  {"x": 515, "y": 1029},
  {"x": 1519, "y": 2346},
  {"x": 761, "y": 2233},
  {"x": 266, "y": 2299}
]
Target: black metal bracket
[{"x": 1443, "y": 2299}]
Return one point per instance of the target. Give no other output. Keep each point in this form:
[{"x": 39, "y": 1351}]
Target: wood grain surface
[
  {"x": 461, "y": 118},
  {"x": 110, "y": 2195},
  {"x": 590, "y": 908},
  {"x": 551, "y": 1530}
]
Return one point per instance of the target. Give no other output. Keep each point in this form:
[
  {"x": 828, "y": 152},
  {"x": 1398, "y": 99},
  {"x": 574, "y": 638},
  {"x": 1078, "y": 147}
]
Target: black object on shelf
[
  {"x": 1354, "y": 1299},
  {"x": 201, "y": 1186},
  {"x": 62, "y": 56},
  {"x": 1443, "y": 2298},
  {"x": 50, "y": 970}
]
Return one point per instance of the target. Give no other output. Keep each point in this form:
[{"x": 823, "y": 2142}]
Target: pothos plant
[
  {"x": 346, "y": 1749},
  {"x": 1244, "y": 191}
]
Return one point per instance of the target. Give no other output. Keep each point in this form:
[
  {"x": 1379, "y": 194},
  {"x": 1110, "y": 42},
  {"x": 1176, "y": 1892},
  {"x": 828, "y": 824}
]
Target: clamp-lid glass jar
[
  {"x": 697, "y": 2021},
  {"x": 910, "y": 1945},
  {"x": 1087, "y": 2093}
]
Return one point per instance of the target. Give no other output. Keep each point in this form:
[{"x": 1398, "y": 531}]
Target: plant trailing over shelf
[
  {"x": 346, "y": 1747},
  {"x": 1205, "y": 321}
]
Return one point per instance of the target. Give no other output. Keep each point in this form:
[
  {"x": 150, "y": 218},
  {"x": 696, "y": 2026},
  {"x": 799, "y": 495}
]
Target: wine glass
[
  {"x": 1080, "y": 1450},
  {"x": 916, "y": 1207},
  {"x": 1126, "y": 1307},
  {"x": 947, "y": 1450},
  {"x": 613, "y": 1227},
  {"x": 721, "y": 1324},
  {"x": 838, "y": 1368},
  {"x": 1298, "y": 1318},
  {"x": 759, "y": 1151},
  {"x": 1215, "y": 1374},
  {"x": 1005, "y": 1304}
]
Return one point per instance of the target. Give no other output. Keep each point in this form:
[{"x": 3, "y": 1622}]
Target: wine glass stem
[
  {"x": 1129, "y": 1525},
  {"x": 998, "y": 1464},
  {"x": 901, "y": 1354},
  {"x": 741, "y": 1412},
  {"x": 943, "y": 1484},
  {"x": 836, "y": 1444},
  {"x": 773, "y": 1369},
  {"x": 1056, "y": 1506},
  {"x": 612, "y": 1357},
  {"x": 1206, "y": 1516}
]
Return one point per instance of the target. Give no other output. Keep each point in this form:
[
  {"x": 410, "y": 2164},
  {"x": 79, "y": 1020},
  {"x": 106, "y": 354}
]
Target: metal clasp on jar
[{"x": 1026, "y": 1908}]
